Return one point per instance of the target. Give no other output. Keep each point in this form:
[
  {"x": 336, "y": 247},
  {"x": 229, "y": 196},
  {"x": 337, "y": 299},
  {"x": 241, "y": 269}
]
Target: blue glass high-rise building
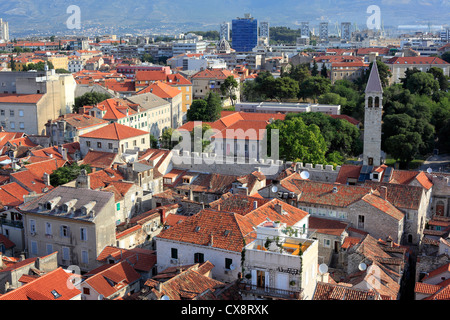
[{"x": 244, "y": 34}]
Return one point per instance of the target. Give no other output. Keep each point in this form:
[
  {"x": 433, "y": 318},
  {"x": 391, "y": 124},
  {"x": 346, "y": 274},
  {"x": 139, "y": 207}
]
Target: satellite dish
[
  {"x": 274, "y": 189},
  {"x": 232, "y": 267},
  {"x": 323, "y": 268},
  {"x": 165, "y": 298},
  {"x": 362, "y": 266},
  {"x": 429, "y": 170},
  {"x": 304, "y": 175}
]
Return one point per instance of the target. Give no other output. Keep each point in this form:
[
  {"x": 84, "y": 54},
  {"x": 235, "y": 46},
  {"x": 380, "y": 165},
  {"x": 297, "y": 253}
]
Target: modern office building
[
  {"x": 346, "y": 32},
  {"x": 445, "y": 35},
  {"x": 323, "y": 31},
  {"x": 304, "y": 29},
  {"x": 244, "y": 33},
  {"x": 264, "y": 32},
  {"x": 188, "y": 46},
  {"x": 4, "y": 31},
  {"x": 225, "y": 31}
]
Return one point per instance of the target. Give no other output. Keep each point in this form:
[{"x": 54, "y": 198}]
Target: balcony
[
  {"x": 271, "y": 292},
  {"x": 11, "y": 223}
]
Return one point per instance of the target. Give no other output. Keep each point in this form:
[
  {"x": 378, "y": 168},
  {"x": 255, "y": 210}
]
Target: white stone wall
[{"x": 186, "y": 253}]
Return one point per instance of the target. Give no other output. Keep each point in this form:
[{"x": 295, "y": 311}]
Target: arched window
[
  {"x": 377, "y": 102},
  {"x": 370, "y": 102},
  {"x": 410, "y": 238}
]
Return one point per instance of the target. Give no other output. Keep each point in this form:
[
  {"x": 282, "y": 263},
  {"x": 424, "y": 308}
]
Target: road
[{"x": 437, "y": 163}]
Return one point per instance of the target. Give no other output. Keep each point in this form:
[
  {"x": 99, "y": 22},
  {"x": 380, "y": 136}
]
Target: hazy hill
[{"x": 33, "y": 14}]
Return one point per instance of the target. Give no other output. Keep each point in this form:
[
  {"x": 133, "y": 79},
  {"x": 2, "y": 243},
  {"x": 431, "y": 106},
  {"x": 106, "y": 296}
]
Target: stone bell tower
[{"x": 372, "y": 119}]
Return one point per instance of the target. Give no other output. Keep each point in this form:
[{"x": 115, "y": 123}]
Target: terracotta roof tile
[
  {"x": 20, "y": 98},
  {"x": 113, "y": 279},
  {"x": 115, "y": 131},
  {"x": 327, "y": 226},
  {"x": 51, "y": 286}
]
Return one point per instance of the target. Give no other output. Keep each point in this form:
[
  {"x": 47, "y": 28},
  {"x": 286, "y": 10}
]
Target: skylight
[{"x": 55, "y": 294}]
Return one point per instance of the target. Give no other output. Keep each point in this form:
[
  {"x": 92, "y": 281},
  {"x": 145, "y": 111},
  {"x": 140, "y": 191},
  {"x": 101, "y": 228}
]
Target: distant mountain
[{"x": 34, "y": 15}]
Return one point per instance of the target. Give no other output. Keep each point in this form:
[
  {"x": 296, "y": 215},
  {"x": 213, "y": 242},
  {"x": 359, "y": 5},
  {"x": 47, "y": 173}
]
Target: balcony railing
[
  {"x": 11, "y": 223},
  {"x": 272, "y": 292}
]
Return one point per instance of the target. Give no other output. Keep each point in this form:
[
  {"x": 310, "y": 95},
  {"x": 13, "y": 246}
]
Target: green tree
[
  {"x": 153, "y": 142},
  {"x": 12, "y": 63},
  {"x": 332, "y": 99},
  {"x": 299, "y": 142},
  {"x": 67, "y": 174},
  {"x": 40, "y": 66},
  {"x": 422, "y": 83},
  {"x": 314, "y": 69},
  {"x": 340, "y": 135},
  {"x": 170, "y": 138},
  {"x": 403, "y": 147},
  {"x": 314, "y": 86},
  {"x": 299, "y": 73},
  {"x": 439, "y": 76},
  {"x": 324, "y": 71},
  {"x": 285, "y": 88},
  {"x": 446, "y": 56},
  {"x": 147, "y": 58},
  {"x": 384, "y": 72},
  {"x": 89, "y": 99},
  {"x": 207, "y": 110},
  {"x": 228, "y": 89}
]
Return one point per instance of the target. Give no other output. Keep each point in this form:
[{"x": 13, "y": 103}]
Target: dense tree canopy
[
  {"x": 89, "y": 99},
  {"x": 207, "y": 110},
  {"x": 67, "y": 174},
  {"x": 298, "y": 141}
]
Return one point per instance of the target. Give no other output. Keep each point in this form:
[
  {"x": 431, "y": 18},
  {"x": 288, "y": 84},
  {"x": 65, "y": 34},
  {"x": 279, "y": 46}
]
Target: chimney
[
  {"x": 162, "y": 213},
  {"x": 383, "y": 192},
  {"x": 46, "y": 179}
]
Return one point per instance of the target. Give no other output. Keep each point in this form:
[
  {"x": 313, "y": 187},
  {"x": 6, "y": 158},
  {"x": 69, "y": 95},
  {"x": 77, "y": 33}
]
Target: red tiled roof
[
  {"x": 442, "y": 269},
  {"x": 12, "y": 194},
  {"x": 113, "y": 279},
  {"x": 99, "y": 159},
  {"x": 100, "y": 179},
  {"x": 114, "y": 131},
  {"x": 328, "y": 291},
  {"x": 384, "y": 206},
  {"x": 213, "y": 73},
  {"x": 161, "y": 90},
  {"x": 141, "y": 259},
  {"x": 327, "y": 226},
  {"x": 209, "y": 226},
  {"x": 20, "y": 98},
  {"x": 151, "y": 75},
  {"x": 420, "y": 60},
  {"x": 426, "y": 288},
  {"x": 8, "y": 244},
  {"x": 443, "y": 294},
  {"x": 42, "y": 288},
  {"x": 185, "y": 286}
]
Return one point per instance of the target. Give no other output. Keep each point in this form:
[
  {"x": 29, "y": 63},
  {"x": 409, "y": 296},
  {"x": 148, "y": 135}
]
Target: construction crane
[{"x": 338, "y": 29}]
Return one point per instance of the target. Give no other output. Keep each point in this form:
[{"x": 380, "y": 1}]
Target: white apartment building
[
  {"x": 281, "y": 262},
  {"x": 115, "y": 138},
  {"x": 4, "y": 31},
  {"x": 188, "y": 46}
]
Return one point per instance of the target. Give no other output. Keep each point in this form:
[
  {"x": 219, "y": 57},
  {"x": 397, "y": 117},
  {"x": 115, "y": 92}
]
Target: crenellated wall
[{"x": 213, "y": 163}]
